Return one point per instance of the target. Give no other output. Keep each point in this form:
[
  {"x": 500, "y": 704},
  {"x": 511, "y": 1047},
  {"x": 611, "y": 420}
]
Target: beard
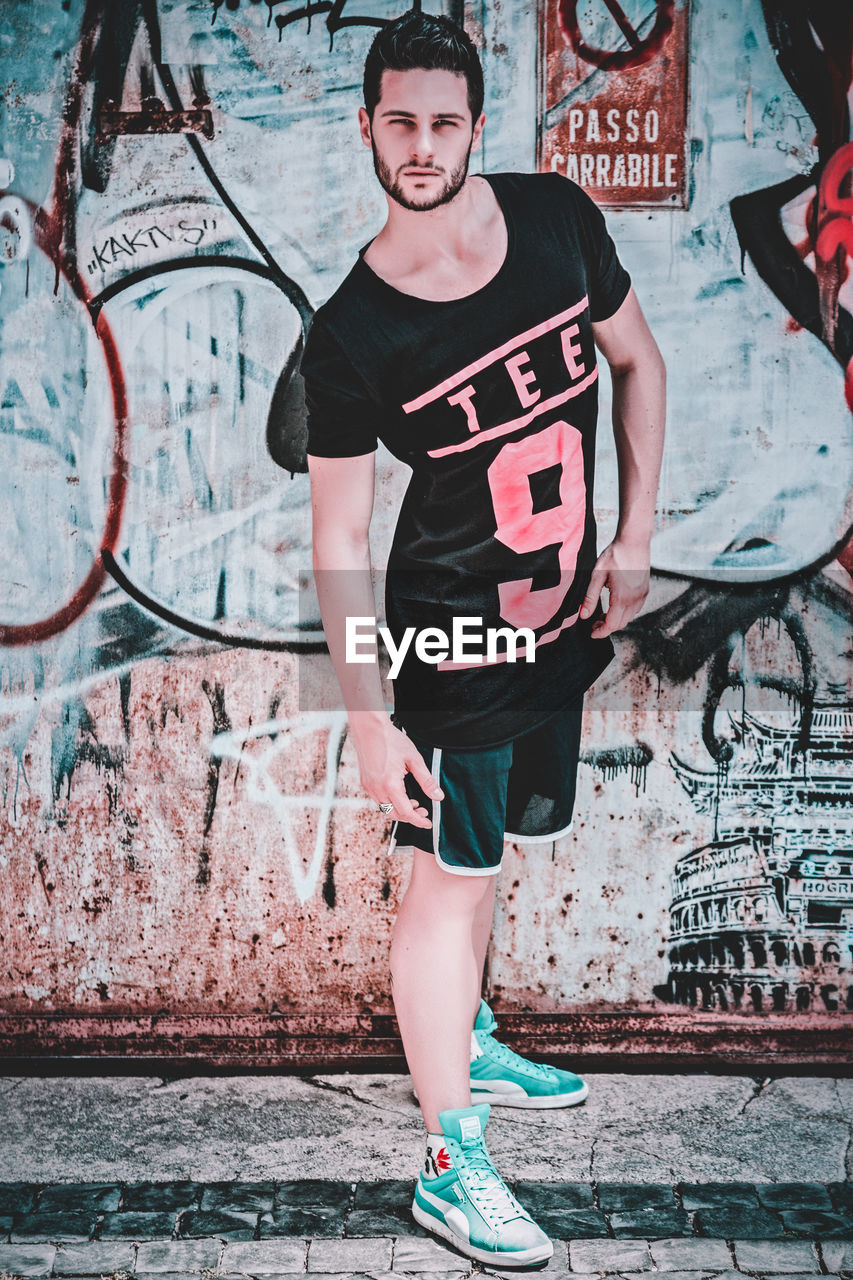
[{"x": 391, "y": 184}]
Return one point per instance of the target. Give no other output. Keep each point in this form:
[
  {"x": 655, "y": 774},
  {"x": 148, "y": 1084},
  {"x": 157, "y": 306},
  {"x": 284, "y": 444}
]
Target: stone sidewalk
[
  {"x": 682, "y": 1176},
  {"x": 389, "y": 1257},
  {"x": 360, "y": 1128}
]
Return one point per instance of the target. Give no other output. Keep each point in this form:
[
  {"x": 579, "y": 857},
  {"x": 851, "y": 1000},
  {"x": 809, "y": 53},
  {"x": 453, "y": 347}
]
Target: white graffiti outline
[{"x": 261, "y": 788}]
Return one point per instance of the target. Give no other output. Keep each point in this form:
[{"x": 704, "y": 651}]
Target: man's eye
[{"x": 450, "y": 123}]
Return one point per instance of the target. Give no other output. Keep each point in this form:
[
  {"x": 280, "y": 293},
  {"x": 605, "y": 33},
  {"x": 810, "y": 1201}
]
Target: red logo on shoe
[{"x": 442, "y": 1160}]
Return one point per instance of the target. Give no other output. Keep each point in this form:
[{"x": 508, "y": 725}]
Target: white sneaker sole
[
  {"x": 513, "y": 1258},
  {"x": 525, "y": 1100}
]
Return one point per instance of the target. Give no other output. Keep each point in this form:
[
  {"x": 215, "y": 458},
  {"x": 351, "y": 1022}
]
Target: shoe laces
[
  {"x": 508, "y": 1058},
  {"x": 494, "y": 1197}
]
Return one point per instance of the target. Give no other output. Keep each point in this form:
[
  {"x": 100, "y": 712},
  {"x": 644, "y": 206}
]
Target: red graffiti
[
  {"x": 833, "y": 237},
  {"x": 53, "y": 233},
  {"x": 642, "y": 48},
  {"x": 834, "y": 211}
]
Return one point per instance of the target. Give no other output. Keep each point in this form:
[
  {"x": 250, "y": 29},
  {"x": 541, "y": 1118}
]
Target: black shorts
[{"x": 522, "y": 791}]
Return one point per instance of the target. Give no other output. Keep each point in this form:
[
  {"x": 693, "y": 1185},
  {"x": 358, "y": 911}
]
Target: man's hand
[
  {"x": 624, "y": 569},
  {"x": 385, "y": 756}
]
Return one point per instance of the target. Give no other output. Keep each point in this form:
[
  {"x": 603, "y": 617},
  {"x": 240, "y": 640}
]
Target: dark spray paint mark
[
  {"x": 221, "y": 724},
  {"x": 124, "y": 683},
  {"x": 613, "y": 760},
  {"x": 75, "y": 741},
  {"x": 42, "y": 868},
  {"x": 220, "y": 611},
  {"x": 678, "y": 639},
  {"x": 330, "y": 895}
]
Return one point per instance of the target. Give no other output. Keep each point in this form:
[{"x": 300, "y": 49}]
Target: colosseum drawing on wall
[{"x": 762, "y": 916}]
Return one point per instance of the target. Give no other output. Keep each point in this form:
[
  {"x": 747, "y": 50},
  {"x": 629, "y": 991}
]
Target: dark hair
[{"x": 422, "y": 40}]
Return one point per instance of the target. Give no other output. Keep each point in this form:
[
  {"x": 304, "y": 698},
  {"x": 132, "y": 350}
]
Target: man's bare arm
[
  {"x": 639, "y": 410},
  {"x": 342, "y": 504}
]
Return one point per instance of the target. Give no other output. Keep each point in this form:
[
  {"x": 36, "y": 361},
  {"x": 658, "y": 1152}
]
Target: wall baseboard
[{"x": 614, "y": 1040}]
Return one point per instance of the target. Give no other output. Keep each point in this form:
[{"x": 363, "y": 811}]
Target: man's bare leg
[
  {"x": 437, "y": 953},
  {"x": 483, "y": 921}
]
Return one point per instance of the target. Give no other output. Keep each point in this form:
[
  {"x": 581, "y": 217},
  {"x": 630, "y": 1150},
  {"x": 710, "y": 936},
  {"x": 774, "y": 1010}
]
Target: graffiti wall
[{"x": 181, "y": 826}]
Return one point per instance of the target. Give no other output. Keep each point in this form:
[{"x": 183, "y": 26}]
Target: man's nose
[{"x": 422, "y": 146}]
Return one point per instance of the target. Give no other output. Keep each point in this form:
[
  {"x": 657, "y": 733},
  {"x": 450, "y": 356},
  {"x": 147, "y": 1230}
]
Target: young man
[{"x": 464, "y": 337}]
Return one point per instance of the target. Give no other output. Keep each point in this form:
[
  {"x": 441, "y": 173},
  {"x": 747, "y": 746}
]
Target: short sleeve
[
  {"x": 608, "y": 282},
  {"x": 341, "y": 413}
]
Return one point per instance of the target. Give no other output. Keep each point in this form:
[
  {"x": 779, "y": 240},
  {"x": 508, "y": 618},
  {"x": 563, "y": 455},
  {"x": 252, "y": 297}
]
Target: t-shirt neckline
[{"x": 500, "y": 196}]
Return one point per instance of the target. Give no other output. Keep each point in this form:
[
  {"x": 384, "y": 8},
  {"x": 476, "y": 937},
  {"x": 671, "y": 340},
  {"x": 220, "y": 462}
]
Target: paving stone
[
  {"x": 698, "y": 1274},
  {"x": 197, "y": 1223},
  {"x": 841, "y": 1194},
  {"x": 55, "y": 1226},
  {"x": 794, "y": 1195},
  {"x": 319, "y": 1193},
  {"x": 349, "y": 1255},
  {"x": 717, "y": 1195},
  {"x": 838, "y": 1255},
  {"x": 264, "y": 1257},
  {"x": 538, "y": 1196},
  {"x": 383, "y": 1222},
  {"x": 690, "y": 1254},
  {"x": 68, "y": 1197},
  {"x": 17, "y": 1197},
  {"x": 817, "y": 1225},
  {"x": 717, "y": 1275},
  {"x": 173, "y": 1275},
  {"x": 238, "y": 1197},
  {"x": 617, "y": 1197},
  {"x": 26, "y": 1260},
  {"x": 157, "y": 1256},
  {"x": 161, "y": 1197},
  {"x": 650, "y": 1224},
  {"x": 303, "y": 1222},
  {"x": 378, "y": 1195},
  {"x": 609, "y": 1255},
  {"x": 702, "y": 1273},
  {"x": 137, "y": 1226},
  {"x": 429, "y": 1254},
  {"x": 556, "y": 1268},
  {"x": 788, "y": 1275},
  {"x": 459, "y": 1274},
  {"x": 739, "y": 1224},
  {"x": 776, "y": 1255},
  {"x": 573, "y": 1224},
  {"x": 377, "y": 1274},
  {"x": 93, "y": 1259}
]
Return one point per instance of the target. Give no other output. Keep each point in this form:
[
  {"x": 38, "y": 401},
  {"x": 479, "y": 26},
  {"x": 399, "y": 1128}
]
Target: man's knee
[{"x": 432, "y": 883}]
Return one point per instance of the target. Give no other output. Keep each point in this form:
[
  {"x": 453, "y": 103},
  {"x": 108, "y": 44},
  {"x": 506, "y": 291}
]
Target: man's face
[{"x": 421, "y": 136}]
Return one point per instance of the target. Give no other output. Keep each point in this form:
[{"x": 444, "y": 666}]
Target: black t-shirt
[{"x": 492, "y": 400}]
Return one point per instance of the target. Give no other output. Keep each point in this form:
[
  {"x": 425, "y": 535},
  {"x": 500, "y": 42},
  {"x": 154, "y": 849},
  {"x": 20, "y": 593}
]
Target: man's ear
[
  {"x": 477, "y": 136},
  {"x": 364, "y": 126}
]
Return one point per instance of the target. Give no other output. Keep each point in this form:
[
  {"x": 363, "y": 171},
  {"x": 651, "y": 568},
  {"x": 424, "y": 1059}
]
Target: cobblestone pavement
[{"x": 685, "y": 1231}]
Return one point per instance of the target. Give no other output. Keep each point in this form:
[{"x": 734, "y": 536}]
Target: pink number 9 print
[{"x": 522, "y": 529}]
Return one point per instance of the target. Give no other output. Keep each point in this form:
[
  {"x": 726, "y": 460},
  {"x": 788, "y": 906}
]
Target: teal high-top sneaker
[
  {"x": 461, "y": 1197},
  {"x": 504, "y": 1078}
]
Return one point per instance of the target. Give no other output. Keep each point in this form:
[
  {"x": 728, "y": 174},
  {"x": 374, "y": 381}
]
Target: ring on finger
[{"x": 386, "y": 807}]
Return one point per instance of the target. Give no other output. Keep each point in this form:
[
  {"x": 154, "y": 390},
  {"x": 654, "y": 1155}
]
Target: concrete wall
[{"x": 181, "y": 824}]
